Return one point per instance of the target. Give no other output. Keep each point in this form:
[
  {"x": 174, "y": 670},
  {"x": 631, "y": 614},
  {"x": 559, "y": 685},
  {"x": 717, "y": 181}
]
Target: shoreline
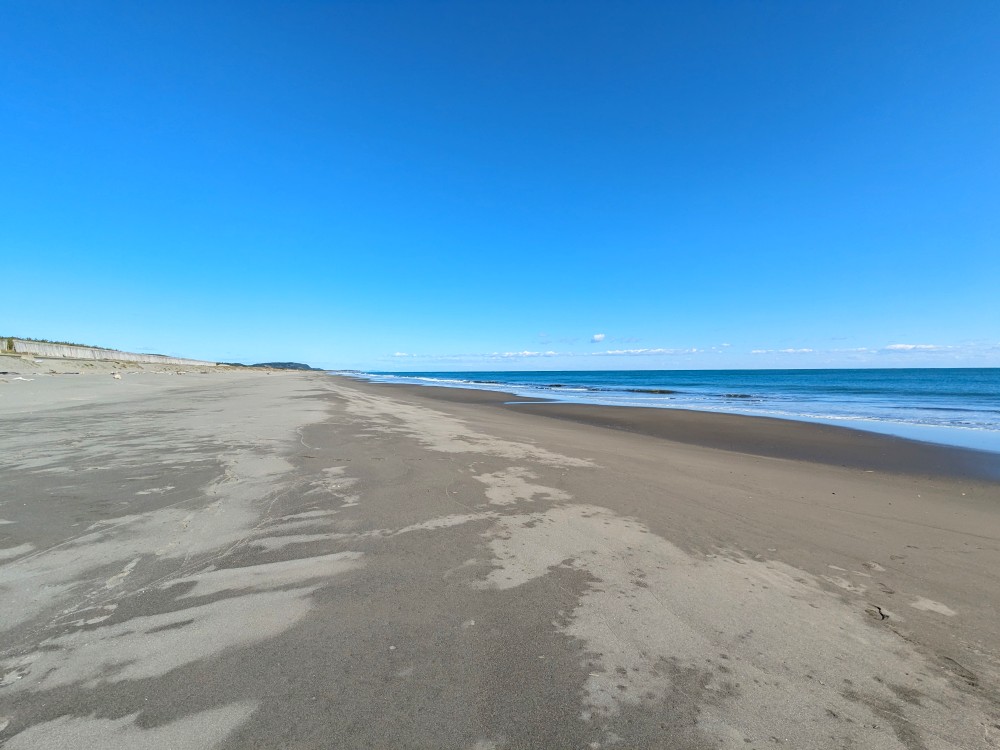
[
  {"x": 771, "y": 437},
  {"x": 875, "y": 415}
]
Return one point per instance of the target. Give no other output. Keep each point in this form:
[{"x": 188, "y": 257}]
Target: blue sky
[{"x": 486, "y": 185}]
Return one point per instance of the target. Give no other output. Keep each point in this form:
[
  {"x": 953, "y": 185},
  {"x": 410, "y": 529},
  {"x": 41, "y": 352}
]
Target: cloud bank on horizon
[{"x": 888, "y": 355}]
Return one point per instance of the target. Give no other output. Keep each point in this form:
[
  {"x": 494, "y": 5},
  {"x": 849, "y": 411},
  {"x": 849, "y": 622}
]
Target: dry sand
[{"x": 244, "y": 559}]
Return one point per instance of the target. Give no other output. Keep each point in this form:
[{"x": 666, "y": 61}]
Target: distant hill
[{"x": 285, "y": 365}]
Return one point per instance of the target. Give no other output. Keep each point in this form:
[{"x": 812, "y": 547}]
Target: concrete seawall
[{"x": 67, "y": 351}]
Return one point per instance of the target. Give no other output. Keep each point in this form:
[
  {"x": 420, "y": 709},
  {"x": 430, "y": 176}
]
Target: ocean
[{"x": 958, "y": 406}]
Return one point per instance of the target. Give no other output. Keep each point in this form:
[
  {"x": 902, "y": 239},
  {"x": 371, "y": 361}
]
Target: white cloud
[
  {"x": 519, "y": 355},
  {"x": 597, "y": 338},
  {"x": 528, "y": 354},
  {"x": 912, "y": 347},
  {"x": 781, "y": 351},
  {"x": 608, "y": 353},
  {"x": 638, "y": 352}
]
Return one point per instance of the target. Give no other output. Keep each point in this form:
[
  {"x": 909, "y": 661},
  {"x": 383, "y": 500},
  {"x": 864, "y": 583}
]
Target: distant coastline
[{"x": 276, "y": 365}]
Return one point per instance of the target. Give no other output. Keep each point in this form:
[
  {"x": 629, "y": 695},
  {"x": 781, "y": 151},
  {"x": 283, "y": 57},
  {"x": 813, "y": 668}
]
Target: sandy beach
[{"x": 262, "y": 559}]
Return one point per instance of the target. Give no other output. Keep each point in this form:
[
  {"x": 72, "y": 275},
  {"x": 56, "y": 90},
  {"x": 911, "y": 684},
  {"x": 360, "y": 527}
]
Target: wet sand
[
  {"x": 759, "y": 436},
  {"x": 250, "y": 560}
]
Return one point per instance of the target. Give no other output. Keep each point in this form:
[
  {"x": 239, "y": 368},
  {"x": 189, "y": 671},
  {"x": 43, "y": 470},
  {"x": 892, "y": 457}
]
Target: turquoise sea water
[{"x": 951, "y": 406}]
